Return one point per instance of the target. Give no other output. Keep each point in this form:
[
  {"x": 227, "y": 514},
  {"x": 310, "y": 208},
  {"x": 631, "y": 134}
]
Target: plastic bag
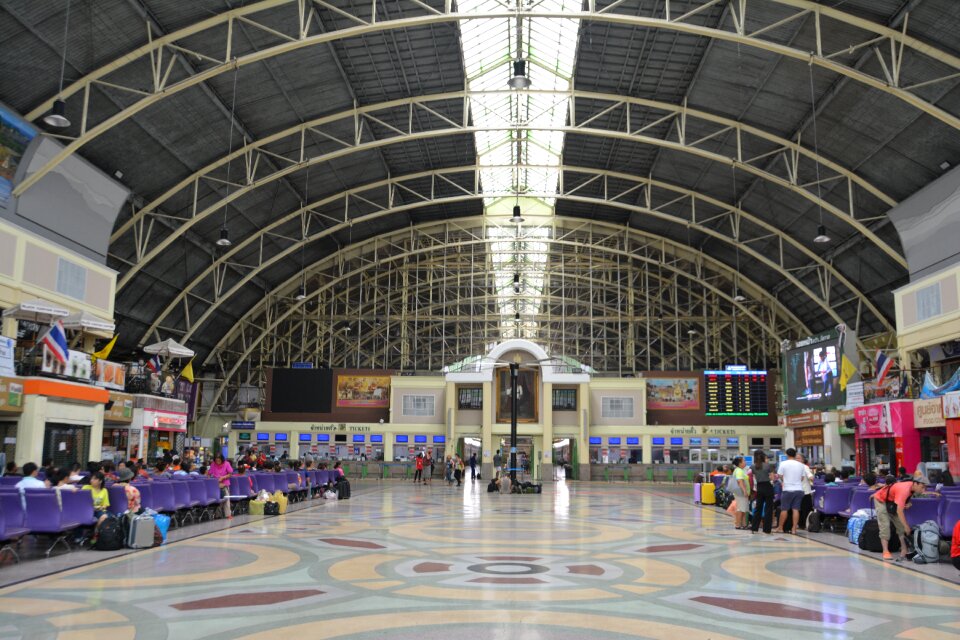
[
  {"x": 330, "y": 495},
  {"x": 162, "y": 521}
]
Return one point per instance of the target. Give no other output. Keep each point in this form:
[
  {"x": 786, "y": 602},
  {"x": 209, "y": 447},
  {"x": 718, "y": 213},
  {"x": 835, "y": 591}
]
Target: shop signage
[
  {"x": 340, "y": 427},
  {"x": 11, "y": 395},
  {"x": 951, "y": 405},
  {"x": 121, "y": 410},
  {"x": 243, "y": 424},
  {"x": 928, "y": 413},
  {"x": 110, "y": 375},
  {"x": 713, "y": 431},
  {"x": 873, "y": 419},
  {"x": 808, "y": 437},
  {"x": 7, "y": 347},
  {"x": 805, "y": 419},
  {"x": 165, "y": 420}
]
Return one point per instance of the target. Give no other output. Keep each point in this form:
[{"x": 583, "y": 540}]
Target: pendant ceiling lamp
[{"x": 58, "y": 114}]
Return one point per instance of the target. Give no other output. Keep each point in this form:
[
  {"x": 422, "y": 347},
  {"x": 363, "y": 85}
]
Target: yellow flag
[
  {"x": 187, "y": 372},
  {"x": 104, "y": 353},
  {"x": 846, "y": 371}
]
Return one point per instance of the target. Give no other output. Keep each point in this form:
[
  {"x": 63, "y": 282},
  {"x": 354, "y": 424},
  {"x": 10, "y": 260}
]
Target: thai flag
[
  {"x": 153, "y": 364},
  {"x": 56, "y": 341},
  {"x": 883, "y": 365}
]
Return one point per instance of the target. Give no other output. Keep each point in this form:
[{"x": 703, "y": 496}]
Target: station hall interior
[{"x": 509, "y": 318}]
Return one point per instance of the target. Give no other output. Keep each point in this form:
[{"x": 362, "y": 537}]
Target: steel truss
[
  {"x": 153, "y": 63},
  {"x": 382, "y": 199},
  {"x": 424, "y": 297}
]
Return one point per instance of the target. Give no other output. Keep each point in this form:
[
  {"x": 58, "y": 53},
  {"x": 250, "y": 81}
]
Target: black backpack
[
  {"x": 813, "y": 522},
  {"x": 110, "y": 537},
  {"x": 493, "y": 487}
]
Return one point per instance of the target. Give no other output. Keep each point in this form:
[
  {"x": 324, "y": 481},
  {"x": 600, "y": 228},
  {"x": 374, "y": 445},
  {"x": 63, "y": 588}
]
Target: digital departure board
[{"x": 736, "y": 392}]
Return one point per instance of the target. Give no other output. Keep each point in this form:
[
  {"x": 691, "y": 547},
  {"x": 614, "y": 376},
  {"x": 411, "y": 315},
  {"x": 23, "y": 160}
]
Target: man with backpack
[{"x": 891, "y": 502}]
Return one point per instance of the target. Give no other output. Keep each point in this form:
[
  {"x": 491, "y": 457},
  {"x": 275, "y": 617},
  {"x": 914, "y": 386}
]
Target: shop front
[
  {"x": 886, "y": 437},
  {"x": 816, "y": 435},
  {"x": 117, "y": 418},
  {"x": 928, "y": 420},
  {"x": 11, "y": 406},
  {"x": 61, "y": 421},
  {"x": 951, "y": 414}
]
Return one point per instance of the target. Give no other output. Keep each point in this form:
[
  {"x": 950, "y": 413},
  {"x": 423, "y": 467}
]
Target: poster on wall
[
  {"x": 363, "y": 391},
  {"x": 873, "y": 419},
  {"x": 110, "y": 375},
  {"x": 15, "y": 136},
  {"x": 673, "y": 394},
  {"x": 951, "y": 405},
  {"x": 78, "y": 364},
  {"x": 527, "y": 401},
  {"x": 11, "y": 395},
  {"x": 7, "y": 346}
]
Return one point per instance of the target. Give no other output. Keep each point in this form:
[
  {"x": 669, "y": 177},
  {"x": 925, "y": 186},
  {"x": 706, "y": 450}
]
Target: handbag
[{"x": 891, "y": 507}]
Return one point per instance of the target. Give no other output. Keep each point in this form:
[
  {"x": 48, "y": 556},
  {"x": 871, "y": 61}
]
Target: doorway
[{"x": 66, "y": 444}]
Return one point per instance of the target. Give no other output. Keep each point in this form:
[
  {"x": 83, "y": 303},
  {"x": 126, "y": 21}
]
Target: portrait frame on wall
[
  {"x": 366, "y": 391},
  {"x": 528, "y": 395},
  {"x": 673, "y": 394}
]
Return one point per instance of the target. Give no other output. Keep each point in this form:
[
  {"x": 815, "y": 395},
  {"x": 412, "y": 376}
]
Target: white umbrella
[
  {"x": 169, "y": 348},
  {"x": 84, "y": 321},
  {"x": 39, "y": 311}
]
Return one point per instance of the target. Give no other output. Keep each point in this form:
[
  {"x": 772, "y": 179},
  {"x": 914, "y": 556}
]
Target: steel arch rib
[
  {"x": 715, "y": 157},
  {"x": 481, "y": 241},
  {"x": 352, "y": 114},
  {"x": 290, "y": 43},
  {"x": 744, "y": 245}
]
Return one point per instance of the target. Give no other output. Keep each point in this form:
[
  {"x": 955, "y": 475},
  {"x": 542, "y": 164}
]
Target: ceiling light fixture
[
  {"x": 519, "y": 79},
  {"x": 822, "y": 237},
  {"x": 58, "y": 114},
  {"x": 691, "y": 332},
  {"x": 944, "y": 165},
  {"x": 302, "y": 293},
  {"x": 224, "y": 240},
  {"x": 739, "y": 298},
  {"x": 516, "y": 316},
  {"x": 517, "y": 218}
]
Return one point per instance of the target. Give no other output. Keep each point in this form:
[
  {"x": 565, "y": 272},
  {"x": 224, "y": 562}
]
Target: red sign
[{"x": 873, "y": 419}]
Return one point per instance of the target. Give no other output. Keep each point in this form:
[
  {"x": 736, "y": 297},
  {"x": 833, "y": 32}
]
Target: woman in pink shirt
[{"x": 221, "y": 470}]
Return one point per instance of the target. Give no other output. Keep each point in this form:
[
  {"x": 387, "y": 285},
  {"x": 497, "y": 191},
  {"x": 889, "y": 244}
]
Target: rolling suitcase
[
  {"x": 140, "y": 532},
  {"x": 708, "y": 493},
  {"x": 696, "y": 493}
]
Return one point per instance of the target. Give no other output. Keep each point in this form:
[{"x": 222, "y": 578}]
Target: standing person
[
  {"x": 764, "y": 507},
  {"x": 221, "y": 470},
  {"x": 418, "y": 468},
  {"x": 891, "y": 502},
  {"x": 428, "y": 468},
  {"x": 739, "y": 486},
  {"x": 448, "y": 471},
  {"x": 806, "y": 505},
  {"x": 473, "y": 465},
  {"x": 497, "y": 462},
  {"x": 458, "y": 469},
  {"x": 790, "y": 473}
]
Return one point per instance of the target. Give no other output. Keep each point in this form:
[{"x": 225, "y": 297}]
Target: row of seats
[
  {"x": 184, "y": 498},
  {"x": 845, "y": 500}
]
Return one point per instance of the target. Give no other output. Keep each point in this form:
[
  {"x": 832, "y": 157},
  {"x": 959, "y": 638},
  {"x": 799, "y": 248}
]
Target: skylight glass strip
[{"x": 519, "y": 149}]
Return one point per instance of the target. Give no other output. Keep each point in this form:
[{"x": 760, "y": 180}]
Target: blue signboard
[
  {"x": 305, "y": 437},
  {"x": 359, "y": 437},
  {"x": 280, "y": 437},
  {"x": 659, "y": 441},
  {"x": 696, "y": 442},
  {"x": 243, "y": 424},
  {"x": 302, "y": 365},
  {"x": 323, "y": 437},
  {"x": 613, "y": 441},
  {"x": 733, "y": 442},
  {"x": 594, "y": 440},
  {"x": 263, "y": 436},
  {"x": 420, "y": 439},
  {"x": 633, "y": 441},
  {"x": 713, "y": 442},
  {"x": 403, "y": 439},
  {"x": 676, "y": 441},
  {"x": 439, "y": 439},
  {"x": 376, "y": 439}
]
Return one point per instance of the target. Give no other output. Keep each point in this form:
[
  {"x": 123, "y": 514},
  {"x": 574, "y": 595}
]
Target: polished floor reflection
[{"x": 402, "y": 561}]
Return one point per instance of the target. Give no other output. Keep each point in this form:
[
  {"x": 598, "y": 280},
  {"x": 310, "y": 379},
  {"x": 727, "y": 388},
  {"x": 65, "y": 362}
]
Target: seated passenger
[
  {"x": 830, "y": 480},
  {"x": 132, "y": 494},
  {"x": 101, "y": 499},
  {"x": 12, "y": 470},
  {"x": 845, "y": 474},
  {"x": 870, "y": 479}
]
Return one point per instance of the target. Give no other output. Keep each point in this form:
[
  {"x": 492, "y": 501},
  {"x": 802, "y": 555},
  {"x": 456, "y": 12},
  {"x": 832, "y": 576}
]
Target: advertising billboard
[
  {"x": 363, "y": 391},
  {"x": 818, "y": 369},
  {"x": 673, "y": 394}
]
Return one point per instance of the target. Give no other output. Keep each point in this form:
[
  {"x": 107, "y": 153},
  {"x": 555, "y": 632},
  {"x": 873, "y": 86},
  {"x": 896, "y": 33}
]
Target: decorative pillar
[
  {"x": 486, "y": 437},
  {"x": 583, "y": 445},
  {"x": 30, "y": 430},
  {"x": 96, "y": 434},
  {"x": 546, "y": 464},
  {"x": 646, "y": 455},
  {"x": 450, "y": 403}
]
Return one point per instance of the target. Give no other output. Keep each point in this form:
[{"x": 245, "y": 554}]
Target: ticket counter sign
[{"x": 11, "y": 395}]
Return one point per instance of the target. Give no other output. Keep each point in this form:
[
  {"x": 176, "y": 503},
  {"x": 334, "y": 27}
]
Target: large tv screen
[{"x": 813, "y": 370}]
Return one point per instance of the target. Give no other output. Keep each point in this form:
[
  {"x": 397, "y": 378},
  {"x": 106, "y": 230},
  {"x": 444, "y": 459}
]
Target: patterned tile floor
[{"x": 402, "y": 561}]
